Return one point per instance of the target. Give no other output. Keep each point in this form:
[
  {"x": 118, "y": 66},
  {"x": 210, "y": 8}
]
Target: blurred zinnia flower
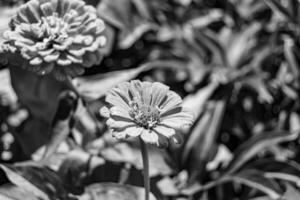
[
  {"x": 148, "y": 110},
  {"x": 59, "y": 36}
]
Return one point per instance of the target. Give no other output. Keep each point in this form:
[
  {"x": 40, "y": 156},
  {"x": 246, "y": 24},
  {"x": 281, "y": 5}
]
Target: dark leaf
[
  {"x": 203, "y": 138},
  {"x": 254, "y": 145},
  {"x": 94, "y": 87},
  {"x": 124, "y": 153},
  {"x": 13, "y": 192},
  {"x": 291, "y": 193},
  {"x": 15, "y": 178},
  {"x": 75, "y": 167},
  {"x": 280, "y": 9},
  {"x": 62, "y": 122},
  {"x": 255, "y": 179}
]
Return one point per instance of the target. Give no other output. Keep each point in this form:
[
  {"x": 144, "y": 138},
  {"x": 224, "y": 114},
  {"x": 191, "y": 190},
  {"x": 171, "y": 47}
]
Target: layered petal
[
  {"x": 148, "y": 110},
  {"x": 163, "y": 130},
  {"x": 66, "y": 33}
]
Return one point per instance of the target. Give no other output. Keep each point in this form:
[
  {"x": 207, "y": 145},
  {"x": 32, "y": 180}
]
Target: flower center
[{"x": 144, "y": 115}]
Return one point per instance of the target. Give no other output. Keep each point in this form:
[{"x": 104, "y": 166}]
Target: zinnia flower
[
  {"x": 146, "y": 110},
  {"x": 59, "y": 36}
]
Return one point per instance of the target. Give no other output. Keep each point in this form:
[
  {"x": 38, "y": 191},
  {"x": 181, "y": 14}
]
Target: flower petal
[
  {"x": 134, "y": 131},
  {"x": 135, "y": 91},
  {"x": 149, "y": 137},
  {"x": 172, "y": 101},
  {"x": 119, "y": 96},
  {"x": 159, "y": 92},
  {"x": 120, "y": 112},
  {"x": 116, "y": 124},
  {"x": 146, "y": 92},
  {"x": 177, "y": 119},
  {"x": 116, "y": 100},
  {"x": 163, "y": 130}
]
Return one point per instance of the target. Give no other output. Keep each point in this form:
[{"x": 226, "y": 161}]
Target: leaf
[
  {"x": 142, "y": 7},
  {"x": 255, "y": 144},
  {"x": 5, "y": 86},
  {"x": 282, "y": 170},
  {"x": 257, "y": 82},
  {"x": 123, "y": 152},
  {"x": 203, "y": 138},
  {"x": 203, "y": 21},
  {"x": 39, "y": 94},
  {"x": 43, "y": 178},
  {"x": 130, "y": 17},
  {"x": 138, "y": 32},
  {"x": 286, "y": 170},
  {"x": 167, "y": 187},
  {"x": 255, "y": 179},
  {"x": 21, "y": 182},
  {"x": 196, "y": 102},
  {"x": 237, "y": 44},
  {"x": 291, "y": 193},
  {"x": 113, "y": 191},
  {"x": 75, "y": 167},
  {"x": 12, "y": 192},
  {"x": 251, "y": 178},
  {"x": 283, "y": 176},
  {"x": 281, "y": 10},
  {"x": 62, "y": 122},
  {"x": 96, "y": 86},
  {"x": 291, "y": 58}
]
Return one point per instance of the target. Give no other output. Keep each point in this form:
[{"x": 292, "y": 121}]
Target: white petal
[
  {"x": 172, "y": 101},
  {"x": 116, "y": 100},
  {"x": 146, "y": 92},
  {"x": 149, "y": 137},
  {"x": 115, "y": 124},
  {"x": 120, "y": 112},
  {"x": 135, "y": 90},
  {"x": 134, "y": 131},
  {"x": 178, "y": 120},
  {"x": 159, "y": 92},
  {"x": 165, "y": 131}
]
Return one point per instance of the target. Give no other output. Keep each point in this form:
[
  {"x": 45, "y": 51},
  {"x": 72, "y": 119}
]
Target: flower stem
[{"x": 144, "y": 151}]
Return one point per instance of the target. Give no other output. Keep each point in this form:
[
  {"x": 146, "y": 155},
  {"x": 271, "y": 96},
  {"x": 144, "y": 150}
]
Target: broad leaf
[
  {"x": 203, "y": 139},
  {"x": 113, "y": 191},
  {"x": 23, "y": 183},
  {"x": 75, "y": 167},
  {"x": 62, "y": 122},
  {"x": 124, "y": 153},
  {"x": 95, "y": 87},
  {"x": 291, "y": 193},
  {"x": 13, "y": 192}
]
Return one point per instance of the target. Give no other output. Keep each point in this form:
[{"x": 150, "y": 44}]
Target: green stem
[{"x": 144, "y": 151}]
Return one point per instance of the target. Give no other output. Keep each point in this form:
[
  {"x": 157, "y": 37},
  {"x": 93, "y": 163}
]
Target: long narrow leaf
[{"x": 254, "y": 145}]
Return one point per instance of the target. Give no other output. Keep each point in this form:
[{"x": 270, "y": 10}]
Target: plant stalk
[{"x": 144, "y": 150}]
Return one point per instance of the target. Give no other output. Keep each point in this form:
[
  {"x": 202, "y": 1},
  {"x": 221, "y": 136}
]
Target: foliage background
[{"x": 235, "y": 63}]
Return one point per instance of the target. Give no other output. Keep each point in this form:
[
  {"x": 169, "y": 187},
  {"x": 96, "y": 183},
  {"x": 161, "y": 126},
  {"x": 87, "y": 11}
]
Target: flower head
[
  {"x": 59, "y": 36},
  {"x": 147, "y": 110}
]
